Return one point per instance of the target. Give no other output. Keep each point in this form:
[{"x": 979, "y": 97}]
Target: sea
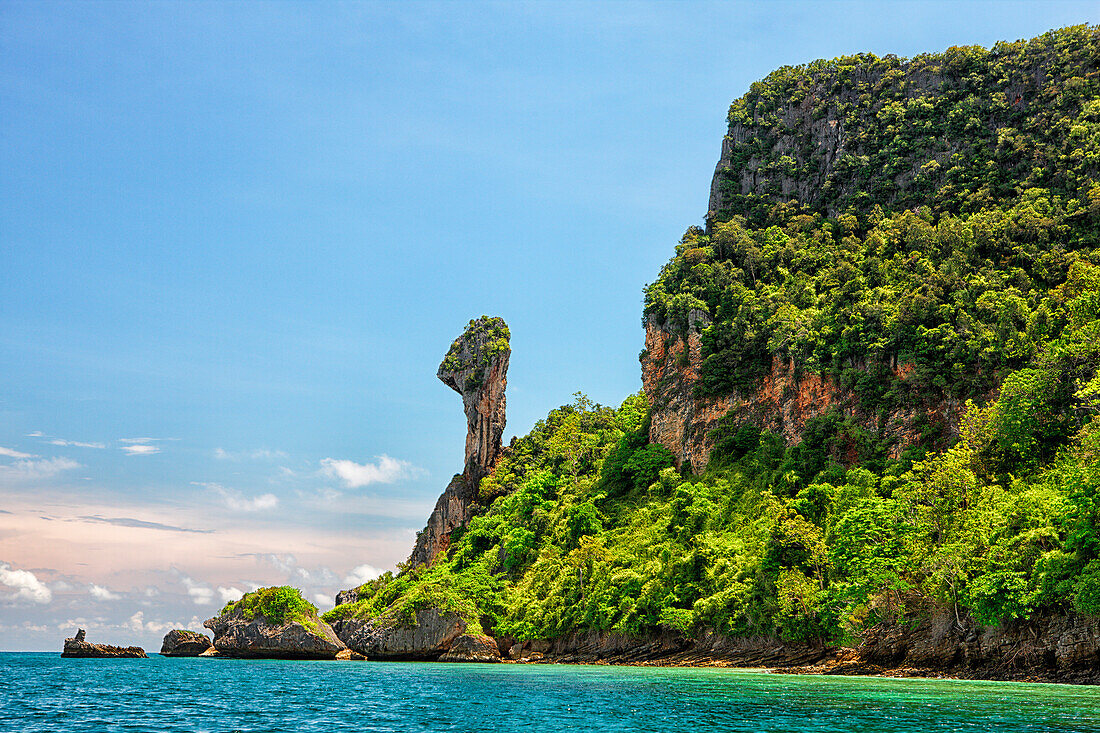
[{"x": 42, "y": 692}]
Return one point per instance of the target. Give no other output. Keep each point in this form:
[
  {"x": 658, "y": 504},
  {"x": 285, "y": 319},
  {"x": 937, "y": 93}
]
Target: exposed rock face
[
  {"x": 824, "y": 137},
  {"x": 237, "y": 636},
  {"x": 476, "y": 366},
  {"x": 813, "y": 145},
  {"x": 1052, "y": 648},
  {"x": 782, "y": 402},
  {"x": 182, "y": 643},
  {"x": 669, "y": 648},
  {"x": 384, "y": 638},
  {"x": 472, "y": 648},
  {"x": 346, "y": 596},
  {"x": 77, "y": 647}
]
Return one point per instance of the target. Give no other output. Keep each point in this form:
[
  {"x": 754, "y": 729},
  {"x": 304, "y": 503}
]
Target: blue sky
[{"x": 237, "y": 239}]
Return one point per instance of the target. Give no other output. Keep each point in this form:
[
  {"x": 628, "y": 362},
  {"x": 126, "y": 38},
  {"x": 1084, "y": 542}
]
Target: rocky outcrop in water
[
  {"x": 237, "y": 636},
  {"x": 77, "y": 647},
  {"x": 428, "y": 637},
  {"x": 476, "y": 366},
  {"x": 183, "y": 643},
  {"x": 472, "y": 648},
  {"x": 347, "y": 655}
]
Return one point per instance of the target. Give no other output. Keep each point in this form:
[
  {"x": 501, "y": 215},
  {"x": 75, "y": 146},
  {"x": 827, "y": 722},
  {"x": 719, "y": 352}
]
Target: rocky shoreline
[{"x": 1052, "y": 648}]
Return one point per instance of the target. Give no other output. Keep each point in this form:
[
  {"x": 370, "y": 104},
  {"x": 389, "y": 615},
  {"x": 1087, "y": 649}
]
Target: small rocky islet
[
  {"x": 184, "y": 643},
  {"x": 78, "y": 647}
]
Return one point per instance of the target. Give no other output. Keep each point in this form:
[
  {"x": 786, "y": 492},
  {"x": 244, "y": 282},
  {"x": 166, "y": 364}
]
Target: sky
[{"x": 236, "y": 240}]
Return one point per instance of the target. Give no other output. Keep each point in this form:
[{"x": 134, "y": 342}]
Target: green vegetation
[
  {"x": 951, "y": 251},
  {"x": 931, "y": 267},
  {"x": 960, "y": 131},
  {"x": 491, "y": 333},
  {"x": 278, "y": 605},
  {"x": 395, "y": 600},
  {"x": 770, "y": 540}
]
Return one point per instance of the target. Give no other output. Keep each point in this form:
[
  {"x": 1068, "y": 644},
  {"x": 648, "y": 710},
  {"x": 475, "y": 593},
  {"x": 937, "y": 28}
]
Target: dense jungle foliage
[
  {"x": 951, "y": 272},
  {"x": 950, "y": 250},
  {"x": 586, "y": 526},
  {"x": 960, "y": 131}
]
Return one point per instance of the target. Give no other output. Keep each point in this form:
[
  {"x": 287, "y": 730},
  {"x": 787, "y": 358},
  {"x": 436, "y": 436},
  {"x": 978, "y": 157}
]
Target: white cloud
[
  {"x": 361, "y": 574},
  {"x": 159, "y": 627},
  {"x": 27, "y": 586},
  {"x": 141, "y": 446},
  {"x": 36, "y": 434},
  {"x": 138, "y": 624},
  {"x": 103, "y": 594},
  {"x": 201, "y": 594},
  {"x": 73, "y": 624},
  {"x": 354, "y": 475},
  {"x": 322, "y": 600},
  {"x": 38, "y": 468},
  {"x": 230, "y": 595},
  {"x": 140, "y": 449},
  {"x": 259, "y": 454},
  {"x": 237, "y": 502},
  {"x": 297, "y": 574},
  {"x": 255, "y": 504},
  {"x": 13, "y": 453},
  {"x": 286, "y": 564},
  {"x": 76, "y": 443},
  {"x": 324, "y": 495}
]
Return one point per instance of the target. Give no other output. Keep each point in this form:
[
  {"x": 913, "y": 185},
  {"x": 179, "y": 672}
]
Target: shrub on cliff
[{"x": 277, "y": 604}]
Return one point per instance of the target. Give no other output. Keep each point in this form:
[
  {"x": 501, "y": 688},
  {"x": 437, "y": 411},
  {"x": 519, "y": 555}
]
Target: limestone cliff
[
  {"x": 476, "y": 366},
  {"x": 866, "y": 141},
  {"x": 389, "y": 637},
  {"x": 864, "y": 130}
]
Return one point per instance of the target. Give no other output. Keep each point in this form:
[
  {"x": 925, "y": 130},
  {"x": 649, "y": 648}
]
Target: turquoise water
[{"x": 42, "y": 692}]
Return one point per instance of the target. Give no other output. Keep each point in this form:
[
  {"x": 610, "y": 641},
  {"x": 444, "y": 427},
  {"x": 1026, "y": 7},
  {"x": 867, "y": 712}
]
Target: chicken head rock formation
[{"x": 476, "y": 366}]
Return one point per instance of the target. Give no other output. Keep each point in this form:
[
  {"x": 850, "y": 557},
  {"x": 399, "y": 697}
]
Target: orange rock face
[{"x": 782, "y": 402}]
